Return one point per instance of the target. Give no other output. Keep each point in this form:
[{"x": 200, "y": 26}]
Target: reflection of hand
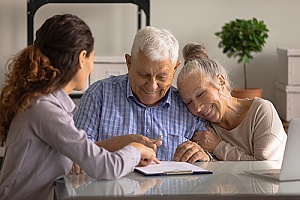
[
  {"x": 78, "y": 180},
  {"x": 207, "y": 139},
  {"x": 224, "y": 183},
  {"x": 147, "y": 184},
  {"x": 76, "y": 169},
  {"x": 191, "y": 152},
  {"x": 147, "y": 154}
]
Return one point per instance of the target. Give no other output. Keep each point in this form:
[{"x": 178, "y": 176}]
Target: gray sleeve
[{"x": 56, "y": 128}]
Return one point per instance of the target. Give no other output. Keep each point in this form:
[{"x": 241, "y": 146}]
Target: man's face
[{"x": 149, "y": 80}]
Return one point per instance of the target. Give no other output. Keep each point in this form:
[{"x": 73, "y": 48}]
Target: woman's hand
[
  {"x": 207, "y": 139},
  {"x": 147, "y": 154},
  {"x": 76, "y": 169}
]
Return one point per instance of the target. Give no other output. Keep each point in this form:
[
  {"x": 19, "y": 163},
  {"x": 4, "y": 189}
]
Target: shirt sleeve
[
  {"x": 57, "y": 129},
  {"x": 199, "y": 125},
  {"x": 88, "y": 114}
]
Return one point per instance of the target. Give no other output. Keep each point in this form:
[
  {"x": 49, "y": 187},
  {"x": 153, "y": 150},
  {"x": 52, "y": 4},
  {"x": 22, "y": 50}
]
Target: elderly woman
[{"x": 241, "y": 129}]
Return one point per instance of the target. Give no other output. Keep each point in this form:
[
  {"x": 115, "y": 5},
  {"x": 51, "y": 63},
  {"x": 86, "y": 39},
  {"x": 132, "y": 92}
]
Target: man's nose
[{"x": 152, "y": 85}]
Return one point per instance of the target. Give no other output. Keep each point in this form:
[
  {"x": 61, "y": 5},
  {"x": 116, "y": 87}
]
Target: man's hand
[
  {"x": 119, "y": 142},
  {"x": 208, "y": 140},
  {"x": 191, "y": 152}
]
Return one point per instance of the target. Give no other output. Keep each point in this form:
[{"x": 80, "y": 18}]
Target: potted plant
[{"x": 241, "y": 38}]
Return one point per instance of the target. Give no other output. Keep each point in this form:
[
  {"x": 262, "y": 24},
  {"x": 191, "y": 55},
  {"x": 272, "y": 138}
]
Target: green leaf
[{"x": 240, "y": 38}]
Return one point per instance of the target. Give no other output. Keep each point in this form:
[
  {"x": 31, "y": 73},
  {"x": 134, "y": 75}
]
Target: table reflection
[
  {"x": 228, "y": 178},
  {"x": 83, "y": 185}
]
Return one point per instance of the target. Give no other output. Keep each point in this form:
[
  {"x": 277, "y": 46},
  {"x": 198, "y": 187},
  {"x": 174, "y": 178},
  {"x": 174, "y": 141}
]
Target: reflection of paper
[{"x": 171, "y": 168}]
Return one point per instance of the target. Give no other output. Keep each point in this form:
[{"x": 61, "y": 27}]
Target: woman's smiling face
[{"x": 202, "y": 97}]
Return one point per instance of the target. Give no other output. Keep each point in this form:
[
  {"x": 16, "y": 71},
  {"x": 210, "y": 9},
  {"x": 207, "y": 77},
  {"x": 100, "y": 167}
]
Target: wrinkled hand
[
  {"x": 145, "y": 141},
  {"x": 76, "y": 169},
  {"x": 147, "y": 154},
  {"x": 118, "y": 142},
  {"x": 207, "y": 139},
  {"x": 191, "y": 152}
]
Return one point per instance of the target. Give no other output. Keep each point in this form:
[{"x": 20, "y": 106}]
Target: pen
[{"x": 157, "y": 139}]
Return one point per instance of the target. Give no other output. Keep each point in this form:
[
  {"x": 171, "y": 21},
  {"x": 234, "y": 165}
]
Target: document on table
[{"x": 171, "y": 168}]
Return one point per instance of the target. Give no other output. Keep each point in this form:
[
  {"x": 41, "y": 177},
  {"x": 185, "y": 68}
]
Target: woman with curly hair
[{"x": 36, "y": 124}]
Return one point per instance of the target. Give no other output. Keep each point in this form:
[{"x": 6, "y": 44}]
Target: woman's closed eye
[
  {"x": 188, "y": 103},
  {"x": 199, "y": 95}
]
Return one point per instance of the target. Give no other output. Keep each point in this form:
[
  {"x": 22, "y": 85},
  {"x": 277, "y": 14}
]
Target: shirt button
[{"x": 148, "y": 130}]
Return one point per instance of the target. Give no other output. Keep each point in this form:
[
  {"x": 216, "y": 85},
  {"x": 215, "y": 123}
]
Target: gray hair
[
  {"x": 156, "y": 44},
  {"x": 197, "y": 62},
  {"x": 194, "y": 50}
]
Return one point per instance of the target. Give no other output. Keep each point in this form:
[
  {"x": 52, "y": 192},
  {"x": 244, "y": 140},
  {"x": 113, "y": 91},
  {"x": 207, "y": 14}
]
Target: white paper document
[{"x": 171, "y": 168}]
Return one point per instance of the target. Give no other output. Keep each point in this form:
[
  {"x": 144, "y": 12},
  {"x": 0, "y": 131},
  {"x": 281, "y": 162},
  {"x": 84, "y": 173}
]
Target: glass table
[{"x": 228, "y": 181}]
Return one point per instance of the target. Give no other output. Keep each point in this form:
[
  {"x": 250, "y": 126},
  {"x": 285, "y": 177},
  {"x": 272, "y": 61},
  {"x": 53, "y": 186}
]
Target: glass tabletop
[{"x": 228, "y": 179}]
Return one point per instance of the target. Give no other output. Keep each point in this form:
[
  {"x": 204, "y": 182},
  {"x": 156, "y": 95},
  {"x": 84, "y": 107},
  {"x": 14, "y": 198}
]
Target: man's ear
[
  {"x": 82, "y": 56},
  {"x": 177, "y": 65},
  {"x": 128, "y": 61},
  {"x": 221, "y": 80}
]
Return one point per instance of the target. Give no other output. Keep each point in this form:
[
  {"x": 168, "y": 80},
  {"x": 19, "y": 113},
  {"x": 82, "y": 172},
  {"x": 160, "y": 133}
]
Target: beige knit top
[{"x": 260, "y": 136}]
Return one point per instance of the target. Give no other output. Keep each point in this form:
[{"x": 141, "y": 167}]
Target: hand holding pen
[{"x": 158, "y": 140}]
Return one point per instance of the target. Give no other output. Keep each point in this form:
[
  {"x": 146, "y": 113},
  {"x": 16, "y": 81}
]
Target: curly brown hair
[{"x": 47, "y": 65}]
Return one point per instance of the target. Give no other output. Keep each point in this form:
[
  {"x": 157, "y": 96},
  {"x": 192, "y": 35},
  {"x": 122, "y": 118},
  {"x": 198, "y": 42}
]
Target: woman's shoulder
[
  {"x": 262, "y": 104},
  {"x": 263, "y": 108}
]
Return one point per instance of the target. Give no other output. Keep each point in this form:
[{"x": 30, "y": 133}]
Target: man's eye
[
  {"x": 161, "y": 78},
  {"x": 144, "y": 75},
  {"x": 188, "y": 103}
]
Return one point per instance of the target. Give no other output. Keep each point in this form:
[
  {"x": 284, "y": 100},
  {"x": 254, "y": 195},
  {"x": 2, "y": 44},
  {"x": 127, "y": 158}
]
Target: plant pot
[{"x": 249, "y": 93}]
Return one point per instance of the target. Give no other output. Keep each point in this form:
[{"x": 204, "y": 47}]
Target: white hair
[{"x": 156, "y": 44}]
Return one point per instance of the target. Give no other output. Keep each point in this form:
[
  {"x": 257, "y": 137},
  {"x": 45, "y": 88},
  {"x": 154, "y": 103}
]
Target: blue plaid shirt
[{"x": 108, "y": 108}]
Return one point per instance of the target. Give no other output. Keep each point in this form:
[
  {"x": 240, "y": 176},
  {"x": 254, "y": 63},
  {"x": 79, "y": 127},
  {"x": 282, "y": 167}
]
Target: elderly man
[{"x": 142, "y": 105}]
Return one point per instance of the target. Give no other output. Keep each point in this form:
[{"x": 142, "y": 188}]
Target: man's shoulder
[
  {"x": 176, "y": 101},
  {"x": 175, "y": 96},
  {"x": 110, "y": 83},
  {"x": 174, "y": 91}
]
